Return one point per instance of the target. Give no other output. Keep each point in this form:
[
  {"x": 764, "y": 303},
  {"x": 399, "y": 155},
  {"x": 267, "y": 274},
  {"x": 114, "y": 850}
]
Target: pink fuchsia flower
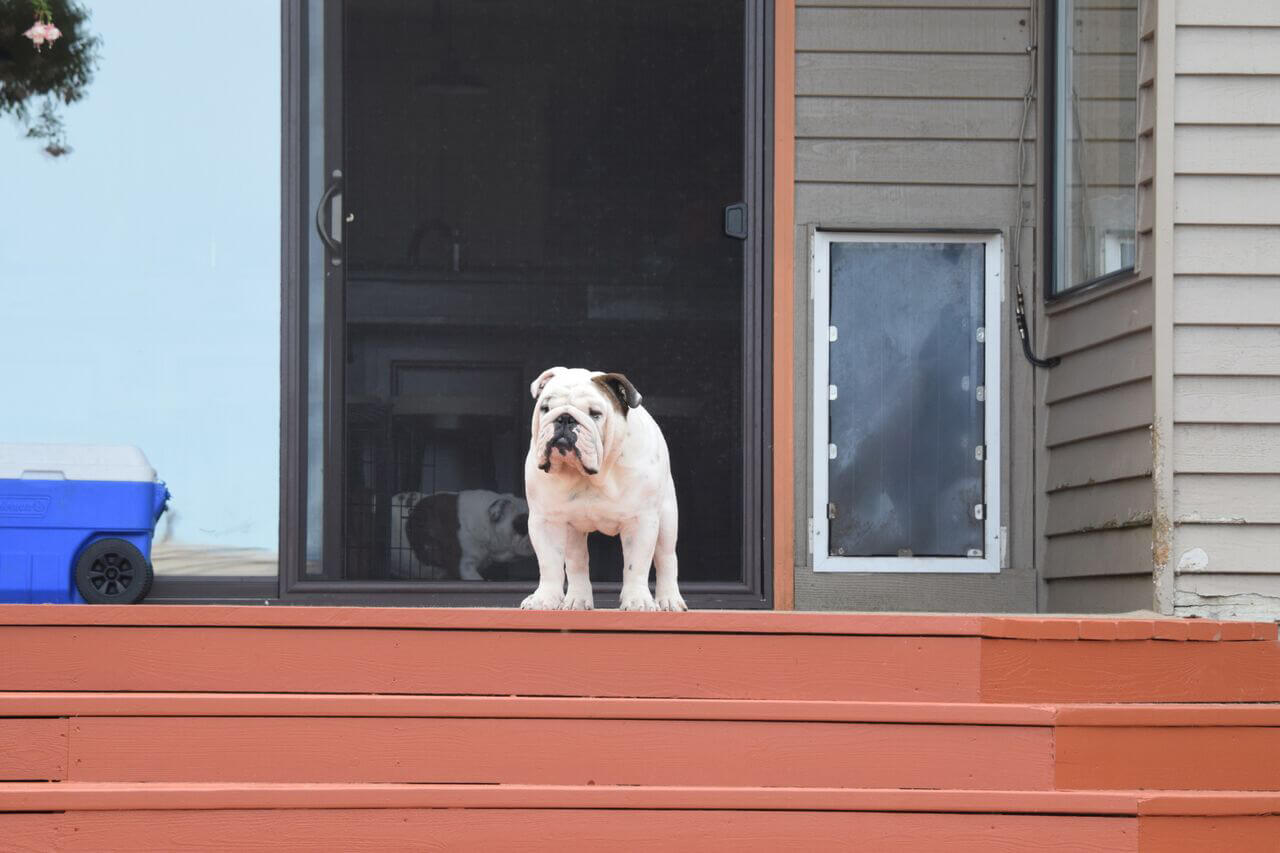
[{"x": 42, "y": 32}]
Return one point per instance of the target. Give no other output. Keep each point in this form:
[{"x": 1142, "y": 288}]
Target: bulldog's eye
[
  {"x": 595, "y": 416},
  {"x": 545, "y": 407}
]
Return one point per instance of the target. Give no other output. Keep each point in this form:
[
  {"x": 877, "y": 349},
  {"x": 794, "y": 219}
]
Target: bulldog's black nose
[{"x": 566, "y": 419}]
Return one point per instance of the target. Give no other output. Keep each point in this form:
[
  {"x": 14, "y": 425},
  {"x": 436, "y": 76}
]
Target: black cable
[{"x": 1020, "y": 316}]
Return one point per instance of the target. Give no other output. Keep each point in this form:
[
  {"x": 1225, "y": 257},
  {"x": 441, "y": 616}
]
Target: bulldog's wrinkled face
[{"x": 578, "y": 417}]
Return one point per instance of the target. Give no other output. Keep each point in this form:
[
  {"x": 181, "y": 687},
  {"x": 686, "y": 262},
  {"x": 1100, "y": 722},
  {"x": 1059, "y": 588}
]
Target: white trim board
[{"x": 819, "y": 526}]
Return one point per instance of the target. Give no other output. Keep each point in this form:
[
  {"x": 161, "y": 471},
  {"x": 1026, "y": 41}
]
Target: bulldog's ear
[
  {"x": 535, "y": 390},
  {"x": 621, "y": 389},
  {"x": 497, "y": 508}
]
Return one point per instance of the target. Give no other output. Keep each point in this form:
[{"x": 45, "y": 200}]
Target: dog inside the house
[{"x": 598, "y": 462}]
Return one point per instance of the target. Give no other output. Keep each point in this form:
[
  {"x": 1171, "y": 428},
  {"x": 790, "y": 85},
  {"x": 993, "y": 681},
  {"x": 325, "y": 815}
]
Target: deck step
[
  {"x": 174, "y": 737},
  {"x": 711, "y": 655},
  {"x": 107, "y": 817}
]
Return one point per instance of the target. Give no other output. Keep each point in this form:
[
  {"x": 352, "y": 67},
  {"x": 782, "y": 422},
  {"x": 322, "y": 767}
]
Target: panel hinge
[
  {"x": 980, "y": 452},
  {"x": 1004, "y": 547},
  {"x": 833, "y": 334},
  {"x": 982, "y": 393},
  {"x": 832, "y": 392},
  {"x": 979, "y": 511},
  {"x": 812, "y": 535},
  {"x": 831, "y": 451},
  {"x": 974, "y": 552},
  {"x": 982, "y": 334},
  {"x": 831, "y": 510}
]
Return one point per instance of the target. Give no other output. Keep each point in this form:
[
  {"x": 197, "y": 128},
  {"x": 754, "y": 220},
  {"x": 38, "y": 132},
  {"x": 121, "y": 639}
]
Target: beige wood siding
[
  {"x": 1226, "y": 441},
  {"x": 907, "y": 117},
  {"x": 1096, "y": 406}
]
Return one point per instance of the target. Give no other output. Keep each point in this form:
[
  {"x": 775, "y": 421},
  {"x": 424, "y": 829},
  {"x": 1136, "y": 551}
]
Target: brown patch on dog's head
[{"x": 619, "y": 390}]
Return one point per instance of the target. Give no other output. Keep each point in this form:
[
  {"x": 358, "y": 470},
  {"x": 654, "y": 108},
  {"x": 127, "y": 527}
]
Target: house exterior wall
[
  {"x": 907, "y": 117},
  {"x": 1095, "y": 408},
  {"x": 1225, "y": 447}
]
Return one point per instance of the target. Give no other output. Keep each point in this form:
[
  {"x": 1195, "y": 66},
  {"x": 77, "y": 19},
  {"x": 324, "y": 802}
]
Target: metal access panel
[{"x": 906, "y": 399}]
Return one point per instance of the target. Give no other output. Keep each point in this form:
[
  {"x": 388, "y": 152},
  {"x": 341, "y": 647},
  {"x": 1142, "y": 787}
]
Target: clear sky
[{"x": 140, "y": 274}]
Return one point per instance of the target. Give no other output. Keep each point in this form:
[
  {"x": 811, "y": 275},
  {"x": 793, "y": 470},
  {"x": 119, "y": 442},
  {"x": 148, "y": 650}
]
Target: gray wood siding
[
  {"x": 1226, "y": 441},
  {"x": 1095, "y": 409},
  {"x": 907, "y": 116}
]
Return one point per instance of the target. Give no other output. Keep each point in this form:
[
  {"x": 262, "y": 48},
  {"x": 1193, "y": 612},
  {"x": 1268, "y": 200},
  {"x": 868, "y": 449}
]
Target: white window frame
[{"x": 819, "y": 525}]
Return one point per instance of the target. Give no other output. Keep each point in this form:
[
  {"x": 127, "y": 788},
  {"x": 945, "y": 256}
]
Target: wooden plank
[
  {"x": 1227, "y": 448},
  {"x": 165, "y": 796},
  {"x": 1198, "y": 834},
  {"x": 1101, "y": 460},
  {"x": 1176, "y": 716},
  {"x": 1227, "y": 13},
  {"x": 1227, "y": 498},
  {"x": 1227, "y": 300},
  {"x": 1210, "y": 150},
  {"x": 1115, "y": 362},
  {"x": 496, "y": 619},
  {"x": 987, "y": 31},
  {"x": 1226, "y": 250},
  {"x": 560, "y": 752},
  {"x": 1188, "y": 758},
  {"x": 897, "y": 206},
  {"x": 1102, "y": 506},
  {"x": 1232, "y": 548},
  {"x": 1225, "y": 99},
  {"x": 1226, "y": 200},
  {"x": 33, "y": 749},
  {"x": 1077, "y": 325},
  {"x": 1111, "y": 410},
  {"x": 719, "y": 666},
  {"x": 1099, "y": 593},
  {"x": 85, "y": 704},
  {"x": 1217, "y": 50},
  {"x": 910, "y": 162},
  {"x": 1126, "y": 551},
  {"x": 1227, "y": 399},
  {"x": 555, "y": 831},
  {"x": 1140, "y": 671},
  {"x": 911, "y": 75},
  {"x": 1229, "y": 350},
  {"x": 913, "y": 118}
]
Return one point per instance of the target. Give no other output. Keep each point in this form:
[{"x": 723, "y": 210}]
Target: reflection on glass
[
  {"x": 140, "y": 271},
  {"x": 530, "y": 184},
  {"x": 1096, "y": 148}
]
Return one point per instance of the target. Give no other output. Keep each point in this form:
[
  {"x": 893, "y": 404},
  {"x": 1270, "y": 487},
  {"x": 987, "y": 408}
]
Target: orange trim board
[
  {"x": 783, "y": 301},
  {"x": 77, "y": 704},
  {"x": 561, "y": 830},
  {"x": 59, "y": 796},
  {"x": 703, "y": 621}
]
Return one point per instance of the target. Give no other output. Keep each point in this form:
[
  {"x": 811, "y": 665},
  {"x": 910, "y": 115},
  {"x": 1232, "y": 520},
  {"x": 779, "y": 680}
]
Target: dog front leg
[
  {"x": 578, "y": 571},
  {"x": 639, "y": 538},
  {"x": 548, "y": 540}
]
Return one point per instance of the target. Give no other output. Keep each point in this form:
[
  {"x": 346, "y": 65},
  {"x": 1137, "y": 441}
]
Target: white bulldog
[
  {"x": 453, "y": 535},
  {"x": 598, "y": 462}
]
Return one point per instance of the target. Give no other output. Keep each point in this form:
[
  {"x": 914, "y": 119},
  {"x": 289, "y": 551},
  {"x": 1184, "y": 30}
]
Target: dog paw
[
  {"x": 671, "y": 601},
  {"x": 577, "y": 601},
  {"x": 540, "y": 600},
  {"x": 640, "y": 600}
]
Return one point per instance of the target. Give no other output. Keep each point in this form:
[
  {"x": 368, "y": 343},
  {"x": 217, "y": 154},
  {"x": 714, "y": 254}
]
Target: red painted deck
[{"x": 224, "y": 728}]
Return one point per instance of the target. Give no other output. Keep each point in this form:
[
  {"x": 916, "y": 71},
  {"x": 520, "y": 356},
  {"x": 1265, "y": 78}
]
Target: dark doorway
[{"x": 515, "y": 185}]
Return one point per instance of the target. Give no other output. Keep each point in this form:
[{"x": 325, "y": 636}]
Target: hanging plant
[{"x": 44, "y": 65}]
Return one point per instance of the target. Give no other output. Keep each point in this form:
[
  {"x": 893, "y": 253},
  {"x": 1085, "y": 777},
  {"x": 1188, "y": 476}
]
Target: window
[
  {"x": 141, "y": 272},
  {"x": 906, "y": 403},
  {"x": 1093, "y": 150}
]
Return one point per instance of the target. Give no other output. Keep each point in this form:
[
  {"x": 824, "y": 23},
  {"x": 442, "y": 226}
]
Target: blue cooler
[{"x": 76, "y": 523}]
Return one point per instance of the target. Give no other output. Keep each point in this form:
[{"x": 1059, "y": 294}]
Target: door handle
[
  {"x": 735, "y": 220},
  {"x": 334, "y": 246}
]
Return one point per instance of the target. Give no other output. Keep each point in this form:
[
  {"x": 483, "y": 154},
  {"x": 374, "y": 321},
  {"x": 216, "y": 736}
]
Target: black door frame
[{"x": 756, "y": 587}]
